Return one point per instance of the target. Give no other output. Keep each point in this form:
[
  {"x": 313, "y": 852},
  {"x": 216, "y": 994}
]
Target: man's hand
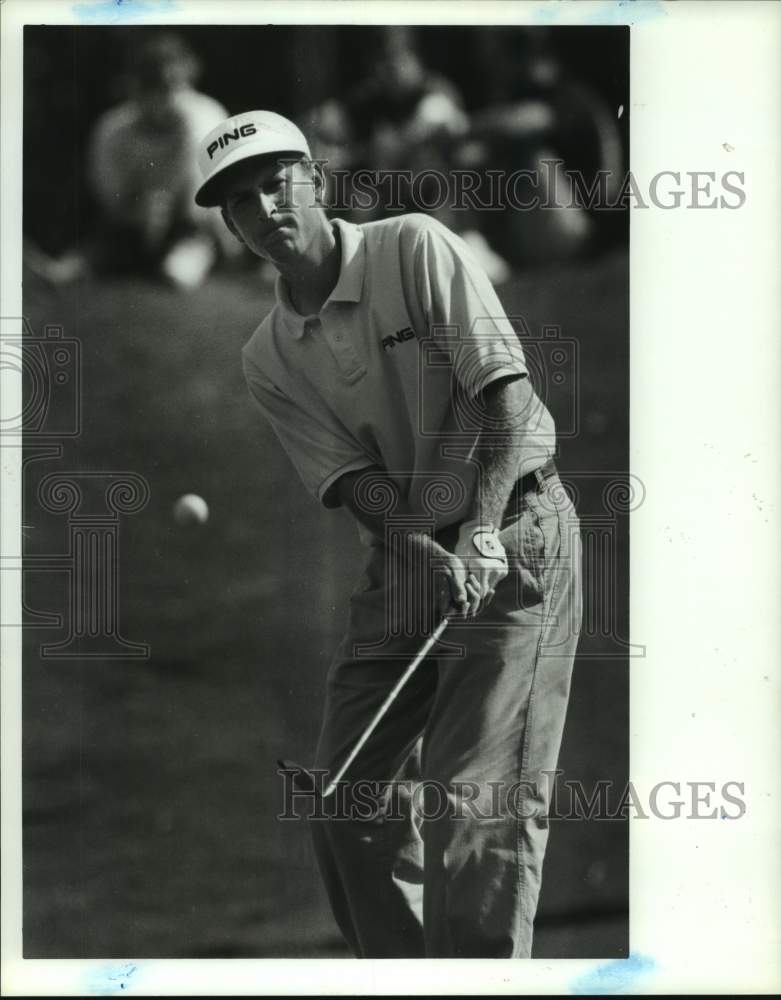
[
  {"x": 482, "y": 554},
  {"x": 453, "y": 593}
]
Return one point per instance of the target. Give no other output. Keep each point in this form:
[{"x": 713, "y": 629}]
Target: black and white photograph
[{"x": 321, "y": 432}]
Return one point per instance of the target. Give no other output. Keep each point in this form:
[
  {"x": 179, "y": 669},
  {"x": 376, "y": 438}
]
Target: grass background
[{"x": 150, "y": 791}]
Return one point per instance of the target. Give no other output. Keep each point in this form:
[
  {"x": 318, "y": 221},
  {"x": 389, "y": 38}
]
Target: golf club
[{"x": 304, "y": 778}]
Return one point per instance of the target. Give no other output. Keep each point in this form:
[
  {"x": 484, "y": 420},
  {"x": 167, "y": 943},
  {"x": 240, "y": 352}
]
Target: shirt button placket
[{"x": 349, "y": 364}]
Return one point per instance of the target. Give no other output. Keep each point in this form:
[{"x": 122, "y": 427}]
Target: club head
[{"x": 303, "y": 781}]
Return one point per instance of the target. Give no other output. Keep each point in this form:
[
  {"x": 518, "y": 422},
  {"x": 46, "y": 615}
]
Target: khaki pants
[{"x": 450, "y": 864}]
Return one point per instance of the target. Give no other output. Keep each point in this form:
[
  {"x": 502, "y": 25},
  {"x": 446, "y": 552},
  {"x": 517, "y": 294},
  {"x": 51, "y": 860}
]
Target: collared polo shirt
[{"x": 389, "y": 372}]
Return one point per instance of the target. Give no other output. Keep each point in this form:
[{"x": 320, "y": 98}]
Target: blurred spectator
[
  {"x": 143, "y": 172},
  {"x": 386, "y": 117},
  {"x": 536, "y": 112},
  {"x": 60, "y": 270},
  {"x": 401, "y": 117}
]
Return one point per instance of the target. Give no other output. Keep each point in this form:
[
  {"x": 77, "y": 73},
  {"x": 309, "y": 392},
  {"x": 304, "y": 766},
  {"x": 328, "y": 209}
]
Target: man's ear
[
  {"x": 229, "y": 223},
  {"x": 318, "y": 180}
]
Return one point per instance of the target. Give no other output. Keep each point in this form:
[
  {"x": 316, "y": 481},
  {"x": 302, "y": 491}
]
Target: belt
[{"x": 535, "y": 480}]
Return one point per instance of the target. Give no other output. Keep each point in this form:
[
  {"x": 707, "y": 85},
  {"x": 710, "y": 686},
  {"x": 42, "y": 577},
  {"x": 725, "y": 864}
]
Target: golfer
[{"x": 398, "y": 387}]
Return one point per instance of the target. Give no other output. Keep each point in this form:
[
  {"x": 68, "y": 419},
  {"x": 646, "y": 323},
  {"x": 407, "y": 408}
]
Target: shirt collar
[{"x": 349, "y": 285}]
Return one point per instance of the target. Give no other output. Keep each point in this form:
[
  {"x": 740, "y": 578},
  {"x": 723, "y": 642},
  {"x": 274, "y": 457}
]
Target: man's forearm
[
  {"x": 452, "y": 591},
  {"x": 498, "y": 450},
  {"x": 355, "y": 490}
]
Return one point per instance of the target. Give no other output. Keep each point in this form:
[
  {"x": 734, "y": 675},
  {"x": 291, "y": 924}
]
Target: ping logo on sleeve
[{"x": 407, "y": 333}]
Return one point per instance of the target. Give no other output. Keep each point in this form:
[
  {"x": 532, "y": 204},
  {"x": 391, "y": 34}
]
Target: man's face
[{"x": 274, "y": 207}]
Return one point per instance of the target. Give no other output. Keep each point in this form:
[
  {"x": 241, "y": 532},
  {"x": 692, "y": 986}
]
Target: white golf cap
[{"x": 253, "y": 133}]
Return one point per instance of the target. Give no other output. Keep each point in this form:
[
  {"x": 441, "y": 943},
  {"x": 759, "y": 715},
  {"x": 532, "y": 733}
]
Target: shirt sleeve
[
  {"x": 462, "y": 311},
  {"x": 319, "y": 453}
]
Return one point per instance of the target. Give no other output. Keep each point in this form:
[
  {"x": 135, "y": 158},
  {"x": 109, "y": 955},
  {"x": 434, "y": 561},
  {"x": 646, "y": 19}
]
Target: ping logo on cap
[
  {"x": 253, "y": 133},
  {"x": 223, "y": 140}
]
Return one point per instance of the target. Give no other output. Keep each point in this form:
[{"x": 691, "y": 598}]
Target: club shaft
[{"x": 425, "y": 649}]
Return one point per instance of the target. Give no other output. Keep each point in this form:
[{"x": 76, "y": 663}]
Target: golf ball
[{"x": 190, "y": 510}]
